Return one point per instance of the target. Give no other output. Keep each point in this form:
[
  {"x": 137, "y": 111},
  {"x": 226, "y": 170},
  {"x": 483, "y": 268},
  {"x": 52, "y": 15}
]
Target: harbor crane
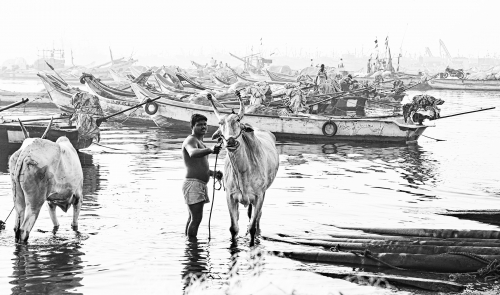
[
  {"x": 443, "y": 52},
  {"x": 428, "y": 52}
]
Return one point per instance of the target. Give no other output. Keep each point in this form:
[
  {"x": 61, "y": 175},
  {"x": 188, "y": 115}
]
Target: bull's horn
[
  {"x": 217, "y": 114},
  {"x": 26, "y": 134},
  {"x": 241, "y": 112},
  {"x": 48, "y": 128}
]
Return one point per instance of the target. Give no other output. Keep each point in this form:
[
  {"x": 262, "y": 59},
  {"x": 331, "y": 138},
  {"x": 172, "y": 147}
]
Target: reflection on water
[
  {"x": 413, "y": 163},
  {"x": 195, "y": 264},
  {"x": 134, "y": 214},
  {"x": 46, "y": 269}
]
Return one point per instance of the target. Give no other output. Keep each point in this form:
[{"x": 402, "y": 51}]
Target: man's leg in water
[
  {"x": 188, "y": 222},
  {"x": 195, "y": 216}
]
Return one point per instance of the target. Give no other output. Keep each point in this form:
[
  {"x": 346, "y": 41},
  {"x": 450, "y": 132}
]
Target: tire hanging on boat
[
  {"x": 333, "y": 127},
  {"x": 151, "y": 112}
]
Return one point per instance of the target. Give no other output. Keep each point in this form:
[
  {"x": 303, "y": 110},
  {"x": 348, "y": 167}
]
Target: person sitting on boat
[
  {"x": 295, "y": 100},
  {"x": 354, "y": 85},
  {"x": 397, "y": 83},
  {"x": 346, "y": 83}
]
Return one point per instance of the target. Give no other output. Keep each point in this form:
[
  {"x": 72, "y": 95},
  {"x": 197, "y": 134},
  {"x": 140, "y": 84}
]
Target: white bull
[
  {"x": 42, "y": 170},
  {"x": 250, "y": 167}
]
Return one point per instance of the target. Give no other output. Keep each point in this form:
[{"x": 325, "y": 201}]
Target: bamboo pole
[
  {"x": 104, "y": 119},
  {"x": 396, "y": 248},
  {"x": 405, "y": 241},
  {"x": 437, "y": 233},
  {"x": 443, "y": 263},
  {"x": 463, "y": 113},
  {"x": 398, "y": 280},
  {"x": 15, "y": 104}
]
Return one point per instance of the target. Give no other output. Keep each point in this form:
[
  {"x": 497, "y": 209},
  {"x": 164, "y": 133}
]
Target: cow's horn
[
  {"x": 26, "y": 134},
  {"x": 48, "y": 128},
  {"x": 241, "y": 112},
  {"x": 217, "y": 114}
]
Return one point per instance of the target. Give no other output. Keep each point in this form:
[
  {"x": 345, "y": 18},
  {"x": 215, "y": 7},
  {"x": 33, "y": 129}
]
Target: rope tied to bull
[{"x": 2, "y": 223}]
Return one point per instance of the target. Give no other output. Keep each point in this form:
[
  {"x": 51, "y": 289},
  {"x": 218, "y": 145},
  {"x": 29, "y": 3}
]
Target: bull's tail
[
  {"x": 250, "y": 211},
  {"x": 16, "y": 166}
]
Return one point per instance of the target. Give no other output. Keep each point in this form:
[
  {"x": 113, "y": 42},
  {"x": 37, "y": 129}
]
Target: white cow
[
  {"x": 250, "y": 168},
  {"x": 42, "y": 170}
]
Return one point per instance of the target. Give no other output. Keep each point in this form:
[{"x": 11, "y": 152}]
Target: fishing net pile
[
  {"x": 424, "y": 105},
  {"x": 87, "y": 110}
]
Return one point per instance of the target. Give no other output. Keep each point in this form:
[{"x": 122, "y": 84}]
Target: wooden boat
[
  {"x": 341, "y": 105},
  {"x": 458, "y": 84},
  {"x": 280, "y": 77},
  {"x": 61, "y": 96},
  {"x": 242, "y": 78},
  {"x": 258, "y": 77},
  {"x": 220, "y": 81},
  {"x": 12, "y": 137},
  {"x": 167, "y": 86},
  {"x": 189, "y": 83},
  {"x": 311, "y": 127}
]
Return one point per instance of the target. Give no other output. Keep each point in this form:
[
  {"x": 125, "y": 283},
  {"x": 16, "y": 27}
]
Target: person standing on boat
[
  {"x": 195, "y": 155},
  {"x": 322, "y": 77}
]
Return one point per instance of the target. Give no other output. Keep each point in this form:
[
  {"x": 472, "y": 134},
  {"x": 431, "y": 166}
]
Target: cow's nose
[{"x": 231, "y": 141}]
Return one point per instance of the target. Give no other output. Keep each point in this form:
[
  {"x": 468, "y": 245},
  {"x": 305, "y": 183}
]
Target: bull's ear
[
  {"x": 247, "y": 128},
  {"x": 216, "y": 134}
]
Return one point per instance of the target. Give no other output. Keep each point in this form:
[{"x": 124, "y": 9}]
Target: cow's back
[
  {"x": 270, "y": 154},
  {"x": 57, "y": 162},
  {"x": 68, "y": 174}
]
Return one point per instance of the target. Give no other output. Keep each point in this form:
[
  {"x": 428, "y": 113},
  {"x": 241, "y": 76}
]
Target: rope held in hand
[{"x": 213, "y": 194}]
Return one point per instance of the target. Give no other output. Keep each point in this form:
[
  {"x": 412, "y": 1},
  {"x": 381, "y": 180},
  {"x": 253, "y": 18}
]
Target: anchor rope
[{"x": 490, "y": 272}]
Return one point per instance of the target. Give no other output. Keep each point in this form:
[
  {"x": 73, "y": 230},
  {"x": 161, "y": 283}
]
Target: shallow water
[{"x": 131, "y": 238}]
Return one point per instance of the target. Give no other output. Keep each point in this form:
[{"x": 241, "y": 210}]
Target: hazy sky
[{"x": 168, "y": 28}]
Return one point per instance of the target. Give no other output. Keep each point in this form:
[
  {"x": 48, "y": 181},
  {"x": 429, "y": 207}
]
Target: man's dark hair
[{"x": 197, "y": 117}]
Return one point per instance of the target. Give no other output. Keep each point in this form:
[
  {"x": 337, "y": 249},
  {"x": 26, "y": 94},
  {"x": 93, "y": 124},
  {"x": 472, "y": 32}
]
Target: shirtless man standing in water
[{"x": 195, "y": 156}]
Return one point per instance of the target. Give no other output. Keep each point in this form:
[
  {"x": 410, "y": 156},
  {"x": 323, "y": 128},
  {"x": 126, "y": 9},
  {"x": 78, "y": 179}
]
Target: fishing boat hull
[
  {"x": 280, "y": 77},
  {"x": 12, "y": 136},
  {"x": 247, "y": 79},
  {"x": 258, "y": 77},
  {"x": 112, "y": 106},
  {"x": 189, "y": 83},
  {"x": 61, "y": 97},
  {"x": 457, "y": 84},
  {"x": 310, "y": 127}
]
